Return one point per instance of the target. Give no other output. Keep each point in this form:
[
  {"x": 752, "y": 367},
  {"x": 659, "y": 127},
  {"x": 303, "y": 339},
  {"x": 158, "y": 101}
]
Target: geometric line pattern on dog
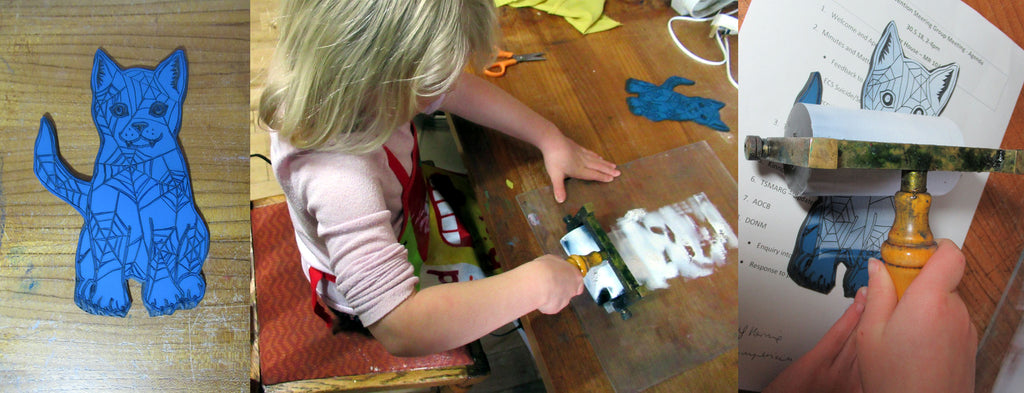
[
  {"x": 849, "y": 230},
  {"x": 140, "y": 220}
]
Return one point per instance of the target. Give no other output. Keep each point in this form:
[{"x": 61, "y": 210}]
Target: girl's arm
[
  {"x": 447, "y": 316},
  {"x": 488, "y": 105}
]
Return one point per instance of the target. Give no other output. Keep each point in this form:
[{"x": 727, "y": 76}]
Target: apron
[{"x": 439, "y": 247}]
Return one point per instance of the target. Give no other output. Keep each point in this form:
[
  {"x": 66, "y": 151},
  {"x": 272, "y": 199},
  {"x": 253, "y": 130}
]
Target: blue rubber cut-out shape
[
  {"x": 833, "y": 232},
  {"x": 140, "y": 220},
  {"x": 662, "y": 103},
  {"x": 851, "y": 229}
]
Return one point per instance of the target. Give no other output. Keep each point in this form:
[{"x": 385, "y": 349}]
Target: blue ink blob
[
  {"x": 662, "y": 103},
  {"x": 140, "y": 220},
  {"x": 849, "y": 230}
]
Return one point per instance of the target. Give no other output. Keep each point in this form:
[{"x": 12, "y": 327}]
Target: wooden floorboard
[{"x": 512, "y": 366}]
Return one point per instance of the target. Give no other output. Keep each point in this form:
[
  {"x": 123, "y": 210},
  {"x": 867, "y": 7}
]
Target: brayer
[
  {"x": 605, "y": 275},
  {"x": 910, "y": 242}
]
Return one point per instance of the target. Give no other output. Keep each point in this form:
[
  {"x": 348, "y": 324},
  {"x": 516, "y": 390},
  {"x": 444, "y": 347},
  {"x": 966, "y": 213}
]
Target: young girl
[{"x": 346, "y": 81}]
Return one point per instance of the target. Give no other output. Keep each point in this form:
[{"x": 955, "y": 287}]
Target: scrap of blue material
[
  {"x": 660, "y": 103},
  {"x": 812, "y": 264},
  {"x": 140, "y": 220}
]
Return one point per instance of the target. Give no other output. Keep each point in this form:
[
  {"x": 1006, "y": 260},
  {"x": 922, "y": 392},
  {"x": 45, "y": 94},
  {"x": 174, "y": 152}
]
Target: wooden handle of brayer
[
  {"x": 910, "y": 243},
  {"x": 585, "y": 262}
]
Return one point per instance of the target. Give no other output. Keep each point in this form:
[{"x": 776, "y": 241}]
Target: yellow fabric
[
  {"x": 446, "y": 262},
  {"x": 587, "y": 16}
]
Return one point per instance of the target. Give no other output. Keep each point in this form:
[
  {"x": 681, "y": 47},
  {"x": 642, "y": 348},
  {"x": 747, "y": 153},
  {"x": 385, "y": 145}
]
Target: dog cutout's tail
[{"x": 53, "y": 173}]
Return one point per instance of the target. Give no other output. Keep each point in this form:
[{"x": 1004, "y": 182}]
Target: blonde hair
[{"x": 347, "y": 73}]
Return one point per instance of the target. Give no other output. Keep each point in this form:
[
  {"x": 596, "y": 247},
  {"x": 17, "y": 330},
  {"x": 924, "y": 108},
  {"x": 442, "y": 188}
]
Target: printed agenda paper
[{"x": 783, "y": 42}]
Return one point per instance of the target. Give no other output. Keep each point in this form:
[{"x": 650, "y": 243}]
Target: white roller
[{"x": 808, "y": 120}]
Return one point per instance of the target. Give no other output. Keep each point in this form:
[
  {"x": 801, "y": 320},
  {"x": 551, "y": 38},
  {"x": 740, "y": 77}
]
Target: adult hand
[
  {"x": 564, "y": 158},
  {"x": 925, "y": 342},
  {"x": 831, "y": 366}
]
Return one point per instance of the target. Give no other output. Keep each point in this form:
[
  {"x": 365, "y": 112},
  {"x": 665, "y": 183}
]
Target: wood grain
[
  {"x": 581, "y": 88},
  {"x": 995, "y": 241},
  {"x": 382, "y": 381},
  {"x": 262, "y": 41},
  {"x": 46, "y": 58}
]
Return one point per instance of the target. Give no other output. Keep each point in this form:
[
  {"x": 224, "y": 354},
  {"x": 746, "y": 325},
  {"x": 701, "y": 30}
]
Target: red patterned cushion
[{"x": 294, "y": 343}]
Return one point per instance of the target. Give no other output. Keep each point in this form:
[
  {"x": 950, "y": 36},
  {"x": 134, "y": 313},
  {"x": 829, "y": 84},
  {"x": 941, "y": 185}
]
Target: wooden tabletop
[
  {"x": 995, "y": 241},
  {"x": 581, "y": 88},
  {"x": 46, "y": 59}
]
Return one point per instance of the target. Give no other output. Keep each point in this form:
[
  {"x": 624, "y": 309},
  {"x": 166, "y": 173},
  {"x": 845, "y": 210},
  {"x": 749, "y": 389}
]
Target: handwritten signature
[
  {"x": 766, "y": 355},
  {"x": 754, "y": 331}
]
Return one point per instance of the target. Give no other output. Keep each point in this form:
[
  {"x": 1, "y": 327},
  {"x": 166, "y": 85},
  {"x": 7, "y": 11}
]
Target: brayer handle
[
  {"x": 910, "y": 243},
  {"x": 585, "y": 262}
]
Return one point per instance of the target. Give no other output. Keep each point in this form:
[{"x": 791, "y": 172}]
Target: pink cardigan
[{"x": 347, "y": 213}]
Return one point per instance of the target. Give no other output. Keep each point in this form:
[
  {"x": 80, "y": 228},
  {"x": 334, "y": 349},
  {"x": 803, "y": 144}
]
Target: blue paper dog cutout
[
  {"x": 140, "y": 220},
  {"x": 849, "y": 230},
  {"x": 662, "y": 103},
  {"x": 830, "y": 234}
]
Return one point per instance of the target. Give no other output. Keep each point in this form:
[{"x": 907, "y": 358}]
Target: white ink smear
[{"x": 689, "y": 239}]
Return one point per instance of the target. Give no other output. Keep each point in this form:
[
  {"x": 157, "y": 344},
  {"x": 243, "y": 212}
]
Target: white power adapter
[
  {"x": 721, "y": 26},
  {"x": 699, "y": 8},
  {"x": 726, "y": 24}
]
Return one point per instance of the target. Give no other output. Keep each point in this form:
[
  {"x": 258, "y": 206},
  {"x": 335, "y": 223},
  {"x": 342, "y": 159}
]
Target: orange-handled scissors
[{"x": 506, "y": 58}]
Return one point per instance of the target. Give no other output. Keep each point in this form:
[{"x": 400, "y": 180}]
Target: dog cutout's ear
[
  {"x": 172, "y": 74},
  {"x": 103, "y": 71}
]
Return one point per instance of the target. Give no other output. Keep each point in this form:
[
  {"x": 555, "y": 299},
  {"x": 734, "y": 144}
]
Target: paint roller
[{"x": 838, "y": 151}]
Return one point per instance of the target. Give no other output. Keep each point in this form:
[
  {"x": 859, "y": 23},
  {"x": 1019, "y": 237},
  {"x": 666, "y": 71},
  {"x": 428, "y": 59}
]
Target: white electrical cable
[
  {"x": 728, "y": 64},
  {"x": 723, "y": 45},
  {"x": 679, "y": 44}
]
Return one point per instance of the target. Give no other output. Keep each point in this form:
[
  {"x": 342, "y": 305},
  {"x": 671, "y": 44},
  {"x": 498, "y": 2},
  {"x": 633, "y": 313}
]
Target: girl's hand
[
  {"x": 831, "y": 366},
  {"x": 925, "y": 342},
  {"x": 564, "y": 158},
  {"x": 557, "y": 280}
]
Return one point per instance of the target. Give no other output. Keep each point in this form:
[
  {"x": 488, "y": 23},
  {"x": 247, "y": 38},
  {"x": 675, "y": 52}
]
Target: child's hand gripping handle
[
  {"x": 910, "y": 243},
  {"x": 585, "y": 262}
]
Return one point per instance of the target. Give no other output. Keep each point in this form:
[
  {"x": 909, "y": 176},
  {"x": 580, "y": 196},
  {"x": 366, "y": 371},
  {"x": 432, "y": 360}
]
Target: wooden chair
[{"x": 294, "y": 349}]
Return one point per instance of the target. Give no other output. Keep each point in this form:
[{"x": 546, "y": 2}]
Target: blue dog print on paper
[
  {"x": 140, "y": 220},
  {"x": 851, "y": 229},
  {"x": 662, "y": 103}
]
